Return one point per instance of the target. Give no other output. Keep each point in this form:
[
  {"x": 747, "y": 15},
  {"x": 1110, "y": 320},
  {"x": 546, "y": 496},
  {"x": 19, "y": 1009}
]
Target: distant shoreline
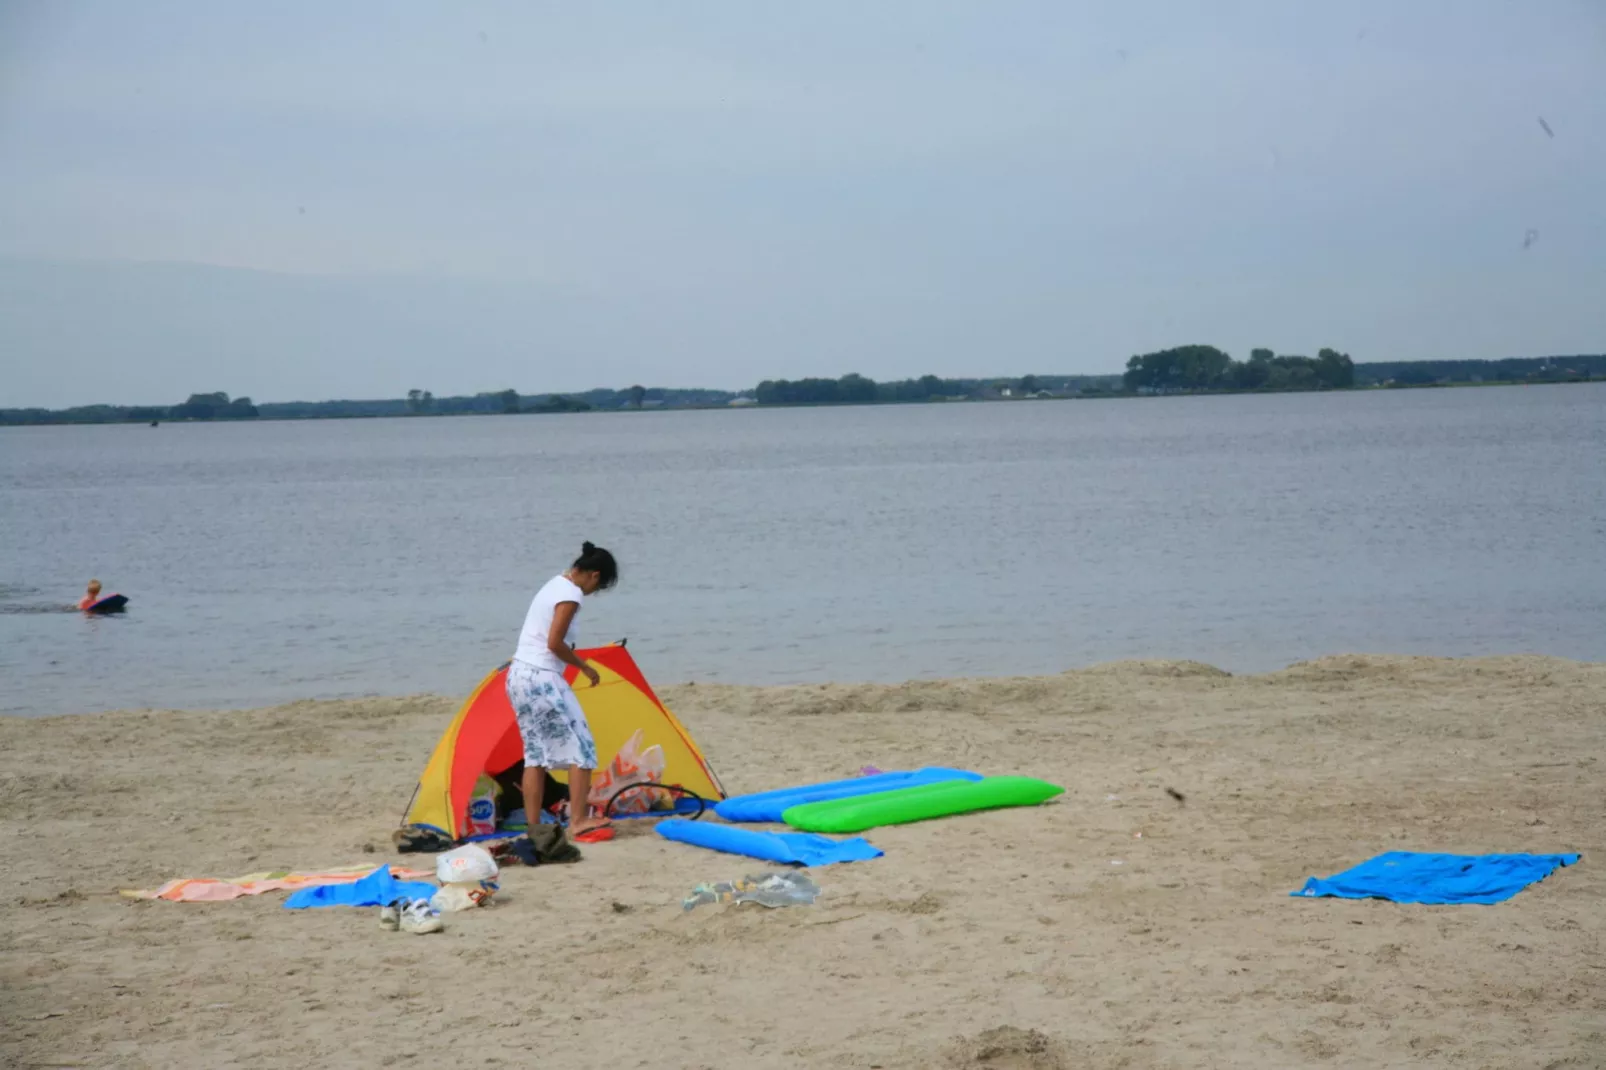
[{"x": 553, "y": 404}]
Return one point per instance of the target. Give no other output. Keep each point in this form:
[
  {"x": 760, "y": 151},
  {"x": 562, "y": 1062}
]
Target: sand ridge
[{"x": 1041, "y": 938}]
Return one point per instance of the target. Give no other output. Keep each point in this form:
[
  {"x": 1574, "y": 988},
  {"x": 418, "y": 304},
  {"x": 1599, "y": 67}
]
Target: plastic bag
[
  {"x": 768, "y": 890},
  {"x": 463, "y": 895},
  {"x": 631, "y": 766},
  {"x": 466, "y": 864}
]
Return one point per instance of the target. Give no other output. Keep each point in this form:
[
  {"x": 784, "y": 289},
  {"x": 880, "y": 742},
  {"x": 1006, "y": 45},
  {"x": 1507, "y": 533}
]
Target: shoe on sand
[
  {"x": 390, "y": 914},
  {"x": 419, "y": 917},
  {"x": 418, "y": 838}
]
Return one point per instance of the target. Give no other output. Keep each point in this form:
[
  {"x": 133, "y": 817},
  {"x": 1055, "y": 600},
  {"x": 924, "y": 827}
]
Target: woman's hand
[{"x": 590, "y": 674}]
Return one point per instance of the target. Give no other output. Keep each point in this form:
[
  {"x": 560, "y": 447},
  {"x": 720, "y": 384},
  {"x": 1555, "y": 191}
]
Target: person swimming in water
[{"x": 91, "y": 595}]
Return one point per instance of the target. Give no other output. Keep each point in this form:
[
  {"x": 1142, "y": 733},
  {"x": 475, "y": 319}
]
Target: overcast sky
[{"x": 311, "y": 200}]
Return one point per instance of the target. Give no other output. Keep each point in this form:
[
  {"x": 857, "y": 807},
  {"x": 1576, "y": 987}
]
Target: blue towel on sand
[
  {"x": 1414, "y": 877},
  {"x": 375, "y": 890},
  {"x": 803, "y": 848}
]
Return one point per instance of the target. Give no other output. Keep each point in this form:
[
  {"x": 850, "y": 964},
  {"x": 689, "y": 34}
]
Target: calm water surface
[{"x": 275, "y": 561}]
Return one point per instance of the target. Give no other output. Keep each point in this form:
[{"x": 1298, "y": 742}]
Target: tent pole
[{"x": 408, "y": 808}]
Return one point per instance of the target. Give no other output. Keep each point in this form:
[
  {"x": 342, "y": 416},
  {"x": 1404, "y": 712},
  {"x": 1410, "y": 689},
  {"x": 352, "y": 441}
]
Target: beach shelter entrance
[{"x": 483, "y": 738}]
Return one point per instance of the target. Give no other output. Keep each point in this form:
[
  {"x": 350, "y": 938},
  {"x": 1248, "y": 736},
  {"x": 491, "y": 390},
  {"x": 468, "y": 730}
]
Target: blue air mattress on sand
[
  {"x": 1415, "y": 877},
  {"x": 798, "y": 847},
  {"x": 769, "y": 805},
  {"x": 377, "y": 889}
]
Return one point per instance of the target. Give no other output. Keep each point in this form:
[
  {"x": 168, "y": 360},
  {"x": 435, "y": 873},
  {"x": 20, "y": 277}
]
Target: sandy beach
[{"x": 1044, "y": 938}]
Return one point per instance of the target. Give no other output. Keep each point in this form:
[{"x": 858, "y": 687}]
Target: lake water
[{"x": 274, "y": 561}]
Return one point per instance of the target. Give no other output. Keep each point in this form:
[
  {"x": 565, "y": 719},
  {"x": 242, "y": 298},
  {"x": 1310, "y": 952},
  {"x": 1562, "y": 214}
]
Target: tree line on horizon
[
  {"x": 855, "y": 389},
  {"x": 1196, "y": 368},
  {"x": 213, "y": 406},
  {"x": 1181, "y": 369},
  {"x": 1507, "y": 370}
]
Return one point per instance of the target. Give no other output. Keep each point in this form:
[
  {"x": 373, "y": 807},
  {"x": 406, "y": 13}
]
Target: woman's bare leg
[
  {"x": 580, "y": 818},
  {"x": 534, "y": 785}
]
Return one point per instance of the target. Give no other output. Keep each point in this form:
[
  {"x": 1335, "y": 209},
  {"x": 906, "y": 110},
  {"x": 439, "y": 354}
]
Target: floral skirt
[{"x": 550, "y": 721}]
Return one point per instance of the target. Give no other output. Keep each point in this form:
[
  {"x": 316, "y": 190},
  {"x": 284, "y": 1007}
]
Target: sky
[{"x": 308, "y": 200}]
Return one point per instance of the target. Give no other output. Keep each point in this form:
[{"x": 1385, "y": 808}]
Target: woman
[
  {"x": 549, "y": 717},
  {"x": 91, "y": 595}
]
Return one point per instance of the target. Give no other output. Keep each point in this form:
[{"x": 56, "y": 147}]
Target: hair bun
[{"x": 586, "y": 547}]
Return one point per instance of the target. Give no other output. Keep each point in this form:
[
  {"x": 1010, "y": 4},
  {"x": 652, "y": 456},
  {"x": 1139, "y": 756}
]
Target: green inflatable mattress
[{"x": 918, "y": 803}]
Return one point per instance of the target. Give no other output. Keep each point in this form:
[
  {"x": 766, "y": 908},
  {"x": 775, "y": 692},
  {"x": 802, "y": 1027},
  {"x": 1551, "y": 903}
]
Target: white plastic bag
[
  {"x": 469, "y": 863},
  {"x": 462, "y": 895},
  {"x": 631, "y": 766}
]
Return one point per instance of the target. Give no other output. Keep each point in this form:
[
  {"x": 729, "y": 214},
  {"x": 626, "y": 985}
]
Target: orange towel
[{"x": 213, "y": 889}]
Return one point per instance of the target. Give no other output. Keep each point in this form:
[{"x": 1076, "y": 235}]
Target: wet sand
[{"x": 1037, "y": 938}]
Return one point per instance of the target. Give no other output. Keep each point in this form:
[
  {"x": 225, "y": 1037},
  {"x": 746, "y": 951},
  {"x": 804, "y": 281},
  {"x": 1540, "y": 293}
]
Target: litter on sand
[
  {"x": 768, "y": 889},
  {"x": 1417, "y": 877}
]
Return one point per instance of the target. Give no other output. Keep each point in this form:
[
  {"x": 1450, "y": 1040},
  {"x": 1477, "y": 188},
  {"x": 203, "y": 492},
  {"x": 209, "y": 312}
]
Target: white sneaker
[
  {"x": 390, "y": 915},
  {"x": 419, "y": 917}
]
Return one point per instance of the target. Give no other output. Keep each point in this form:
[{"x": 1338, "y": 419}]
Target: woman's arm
[{"x": 562, "y": 617}]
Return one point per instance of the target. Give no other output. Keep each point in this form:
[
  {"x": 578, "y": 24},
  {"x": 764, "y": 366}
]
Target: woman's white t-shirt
[{"x": 533, "y": 648}]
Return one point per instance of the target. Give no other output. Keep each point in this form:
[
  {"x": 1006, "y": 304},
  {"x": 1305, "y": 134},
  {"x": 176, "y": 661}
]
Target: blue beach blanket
[
  {"x": 1415, "y": 877},
  {"x": 802, "y": 848},
  {"x": 375, "y": 890}
]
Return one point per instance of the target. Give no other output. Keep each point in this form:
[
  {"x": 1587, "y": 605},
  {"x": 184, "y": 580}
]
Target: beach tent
[{"x": 483, "y": 738}]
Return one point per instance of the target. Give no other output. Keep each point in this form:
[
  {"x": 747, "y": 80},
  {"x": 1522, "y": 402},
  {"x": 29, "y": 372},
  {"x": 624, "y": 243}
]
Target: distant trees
[
  {"x": 559, "y": 403},
  {"x": 1199, "y": 368},
  {"x": 856, "y": 389},
  {"x": 200, "y": 407},
  {"x": 1255, "y": 373},
  {"x": 1335, "y": 369},
  {"x": 1184, "y": 369},
  {"x": 212, "y": 407},
  {"x": 1508, "y": 370},
  {"x": 800, "y": 392}
]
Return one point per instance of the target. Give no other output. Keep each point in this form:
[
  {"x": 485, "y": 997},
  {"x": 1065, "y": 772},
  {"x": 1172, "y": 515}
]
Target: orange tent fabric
[{"x": 483, "y": 738}]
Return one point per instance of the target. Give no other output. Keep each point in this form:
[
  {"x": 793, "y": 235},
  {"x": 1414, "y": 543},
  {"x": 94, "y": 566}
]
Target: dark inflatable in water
[{"x": 112, "y": 603}]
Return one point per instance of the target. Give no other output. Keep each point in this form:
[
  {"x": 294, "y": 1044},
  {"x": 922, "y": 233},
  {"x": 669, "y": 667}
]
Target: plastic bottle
[
  {"x": 482, "y": 807},
  {"x": 769, "y": 890}
]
